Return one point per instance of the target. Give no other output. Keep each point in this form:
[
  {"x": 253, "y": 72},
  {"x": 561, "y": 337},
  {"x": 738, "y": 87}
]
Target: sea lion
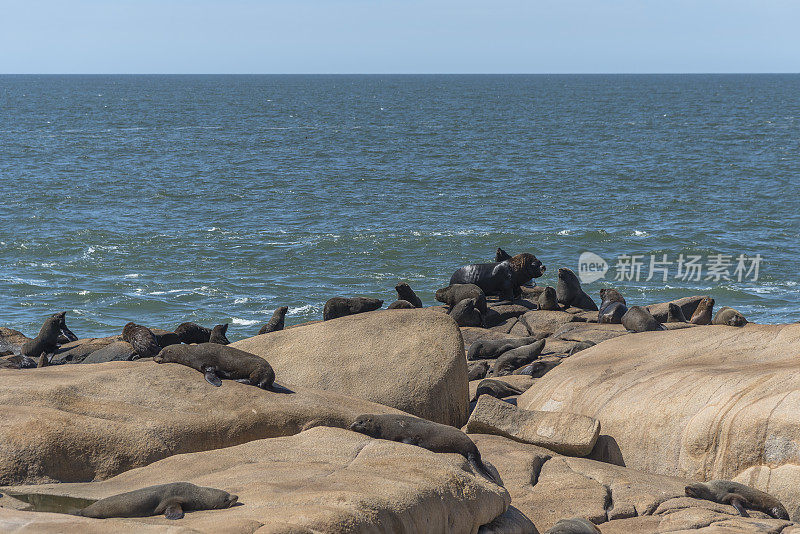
[
  {"x": 638, "y": 319},
  {"x": 501, "y": 255},
  {"x": 142, "y": 340},
  {"x": 569, "y": 292},
  {"x": 221, "y": 361},
  {"x": 612, "y": 306},
  {"x": 535, "y": 369},
  {"x": 513, "y": 359},
  {"x": 46, "y": 342},
  {"x": 193, "y": 333},
  {"x": 455, "y": 293},
  {"x": 277, "y": 322},
  {"x": 504, "y": 278},
  {"x": 218, "y": 334},
  {"x": 477, "y": 370},
  {"x": 579, "y": 346},
  {"x": 165, "y": 337},
  {"x": 341, "y": 306},
  {"x": 466, "y": 314},
  {"x": 547, "y": 299},
  {"x": 730, "y": 317},
  {"x": 495, "y": 388},
  {"x": 703, "y": 313},
  {"x": 172, "y": 500},
  {"x": 675, "y": 314},
  {"x": 401, "y": 305},
  {"x": 435, "y": 437},
  {"x": 404, "y": 292},
  {"x": 487, "y": 349},
  {"x": 739, "y": 496},
  {"x": 575, "y": 525}
]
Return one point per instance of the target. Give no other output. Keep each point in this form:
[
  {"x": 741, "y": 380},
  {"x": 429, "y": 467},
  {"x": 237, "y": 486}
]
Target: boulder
[
  {"x": 546, "y": 322},
  {"x": 11, "y": 340},
  {"x": 320, "y": 480},
  {"x": 412, "y": 360},
  {"x": 71, "y": 423},
  {"x": 507, "y": 310},
  {"x": 688, "y": 305}
]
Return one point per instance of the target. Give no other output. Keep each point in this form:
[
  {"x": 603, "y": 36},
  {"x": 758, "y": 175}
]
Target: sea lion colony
[{"x": 488, "y": 295}]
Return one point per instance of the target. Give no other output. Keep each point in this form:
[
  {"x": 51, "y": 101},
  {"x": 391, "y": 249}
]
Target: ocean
[{"x": 163, "y": 199}]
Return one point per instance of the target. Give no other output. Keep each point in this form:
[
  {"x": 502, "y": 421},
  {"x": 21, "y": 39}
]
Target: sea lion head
[
  {"x": 167, "y": 354},
  {"x": 217, "y": 499},
  {"x": 366, "y": 424},
  {"x": 282, "y": 310},
  {"x": 699, "y": 491},
  {"x": 525, "y": 266},
  {"x": 609, "y": 294}
]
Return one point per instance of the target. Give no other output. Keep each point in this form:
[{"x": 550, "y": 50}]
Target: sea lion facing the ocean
[
  {"x": 703, "y": 313},
  {"x": 276, "y": 322},
  {"x": 172, "y": 500},
  {"x": 453, "y": 294},
  {"x": 675, "y": 314},
  {"x": 142, "y": 339},
  {"x": 435, "y": 437},
  {"x": 193, "y": 333},
  {"x": 569, "y": 291},
  {"x": 404, "y": 292},
  {"x": 739, "y": 496},
  {"x": 342, "y": 306},
  {"x": 221, "y": 361},
  {"x": 401, "y": 305},
  {"x": 501, "y": 278},
  {"x": 218, "y": 334},
  {"x": 612, "y": 307},
  {"x": 46, "y": 342},
  {"x": 639, "y": 319}
]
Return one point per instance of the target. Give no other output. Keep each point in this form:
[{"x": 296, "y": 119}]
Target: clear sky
[{"x": 398, "y": 36}]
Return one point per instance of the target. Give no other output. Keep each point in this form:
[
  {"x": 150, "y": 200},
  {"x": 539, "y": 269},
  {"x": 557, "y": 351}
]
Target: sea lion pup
[
  {"x": 547, "y": 299},
  {"x": 142, "y": 339},
  {"x": 612, "y": 307},
  {"x": 172, "y": 500},
  {"x": 638, "y": 319},
  {"x": 495, "y": 388},
  {"x": 739, "y": 496},
  {"x": 401, "y": 305},
  {"x": 404, "y": 292},
  {"x": 513, "y": 359},
  {"x": 193, "y": 333},
  {"x": 501, "y": 255},
  {"x": 569, "y": 292},
  {"x": 453, "y": 294},
  {"x": 703, "y": 313},
  {"x": 435, "y": 437},
  {"x": 218, "y": 335},
  {"x": 341, "y": 306},
  {"x": 277, "y": 321},
  {"x": 675, "y": 314},
  {"x": 575, "y": 525},
  {"x": 487, "y": 349},
  {"x": 221, "y": 361},
  {"x": 46, "y": 342},
  {"x": 730, "y": 317},
  {"x": 504, "y": 278},
  {"x": 466, "y": 314},
  {"x": 477, "y": 370}
]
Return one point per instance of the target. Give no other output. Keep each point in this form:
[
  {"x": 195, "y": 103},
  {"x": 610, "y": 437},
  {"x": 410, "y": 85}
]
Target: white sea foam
[
  {"x": 241, "y": 301},
  {"x": 132, "y": 275},
  {"x": 84, "y": 292},
  {"x": 565, "y": 232},
  {"x": 639, "y": 233},
  {"x": 244, "y": 322},
  {"x": 301, "y": 310}
]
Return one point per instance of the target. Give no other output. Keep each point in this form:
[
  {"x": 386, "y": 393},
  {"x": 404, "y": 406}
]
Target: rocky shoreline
[{"x": 577, "y": 413}]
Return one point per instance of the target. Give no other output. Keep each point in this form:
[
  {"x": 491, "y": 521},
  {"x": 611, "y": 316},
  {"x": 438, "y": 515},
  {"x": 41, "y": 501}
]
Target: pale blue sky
[{"x": 394, "y": 36}]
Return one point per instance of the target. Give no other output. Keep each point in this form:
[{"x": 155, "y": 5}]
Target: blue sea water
[{"x": 162, "y": 199}]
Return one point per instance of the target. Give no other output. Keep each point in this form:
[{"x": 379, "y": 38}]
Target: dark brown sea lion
[
  {"x": 277, "y": 322},
  {"x": 487, "y": 349},
  {"x": 638, "y": 319},
  {"x": 504, "y": 278},
  {"x": 739, "y": 496},
  {"x": 612, "y": 306},
  {"x": 675, "y": 314},
  {"x": 495, "y": 388},
  {"x": 221, "y": 361},
  {"x": 501, "y": 255},
  {"x": 455, "y": 293},
  {"x": 142, "y": 340},
  {"x": 477, "y": 370},
  {"x": 165, "y": 337},
  {"x": 172, "y": 500},
  {"x": 401, "y": 305},
  {"x": 569, "y": 292},
  {"x": 513, "y": 359},
  {"x": 46, "y": 342},
  {"x": 730, "y": 317},
  {"x": 547, "y": 299},
  {"x": 703, "y": 314},
  {"x": 575, "y": 525},
  {"x": 341, "y": 306},
  {"x": 193, "y": 333},
  {"x": 435, "y": 437},
  {"x": 404, "y": 292},
  {"x": 218, "y": 334},
  {"x": 579, "y": 346},
  {"x": 465, "y": 313}
]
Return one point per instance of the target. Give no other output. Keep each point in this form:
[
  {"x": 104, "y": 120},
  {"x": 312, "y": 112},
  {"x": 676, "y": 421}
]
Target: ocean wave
[
  {"x": 565, "y": 232},
  {"x": 132, "y": 275},
  {"x": 244, "y": 322},
  {"x": 302, "y": 310},
  {"x": 241, "y": 300}
]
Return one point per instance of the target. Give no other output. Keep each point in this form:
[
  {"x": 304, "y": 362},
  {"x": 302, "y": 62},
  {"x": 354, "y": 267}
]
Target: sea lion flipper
[
  {"x": 478, "y": 465},
  {"x": 212, "y": 377},
  {"x": 738, "y": 502},
  {"x": 245, "y": 381},
  {"x": 173, "y": 510}
]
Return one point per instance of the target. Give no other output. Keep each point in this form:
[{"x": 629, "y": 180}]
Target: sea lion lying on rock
[
  {"x": 487, "y": 349},
  {"x": 221, "y": 361},
  {"x": 465, "y": 313},
  {"x": 579, "y": 346},
  {"x": 172, "y": 500},
  {"x": 495, "y": 388},
  {"x": 218, "y": 335},
  {"x": 401, "y": 305},
  {"x": 341, "y": 306},
  {"x": 277, "y": 321},
  {"x": 569, "y": 292},
  {"x": 455, "y": 293},
  {"x": 435, "y": 437},
  {"x": 193, "y": 333},
  {"x": 503, "y": 278},
  {"x": 638, "y": 319},
  {"x": 612, "y": 306},
  {"x": 477, "y": 370},
  {"x": 46, "y": 342},
  {"x": 730, "y": 317},
  {"x": 513, "y": 359},
  {"x": 739, "y": 496},
  {"x": 575, "y": 525},
  {"x": 548, "y": 300},
  {"x": 143, "y": 341},
  {"x": 404, "y": 292},
  {"x": 703, "y": 313}
]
